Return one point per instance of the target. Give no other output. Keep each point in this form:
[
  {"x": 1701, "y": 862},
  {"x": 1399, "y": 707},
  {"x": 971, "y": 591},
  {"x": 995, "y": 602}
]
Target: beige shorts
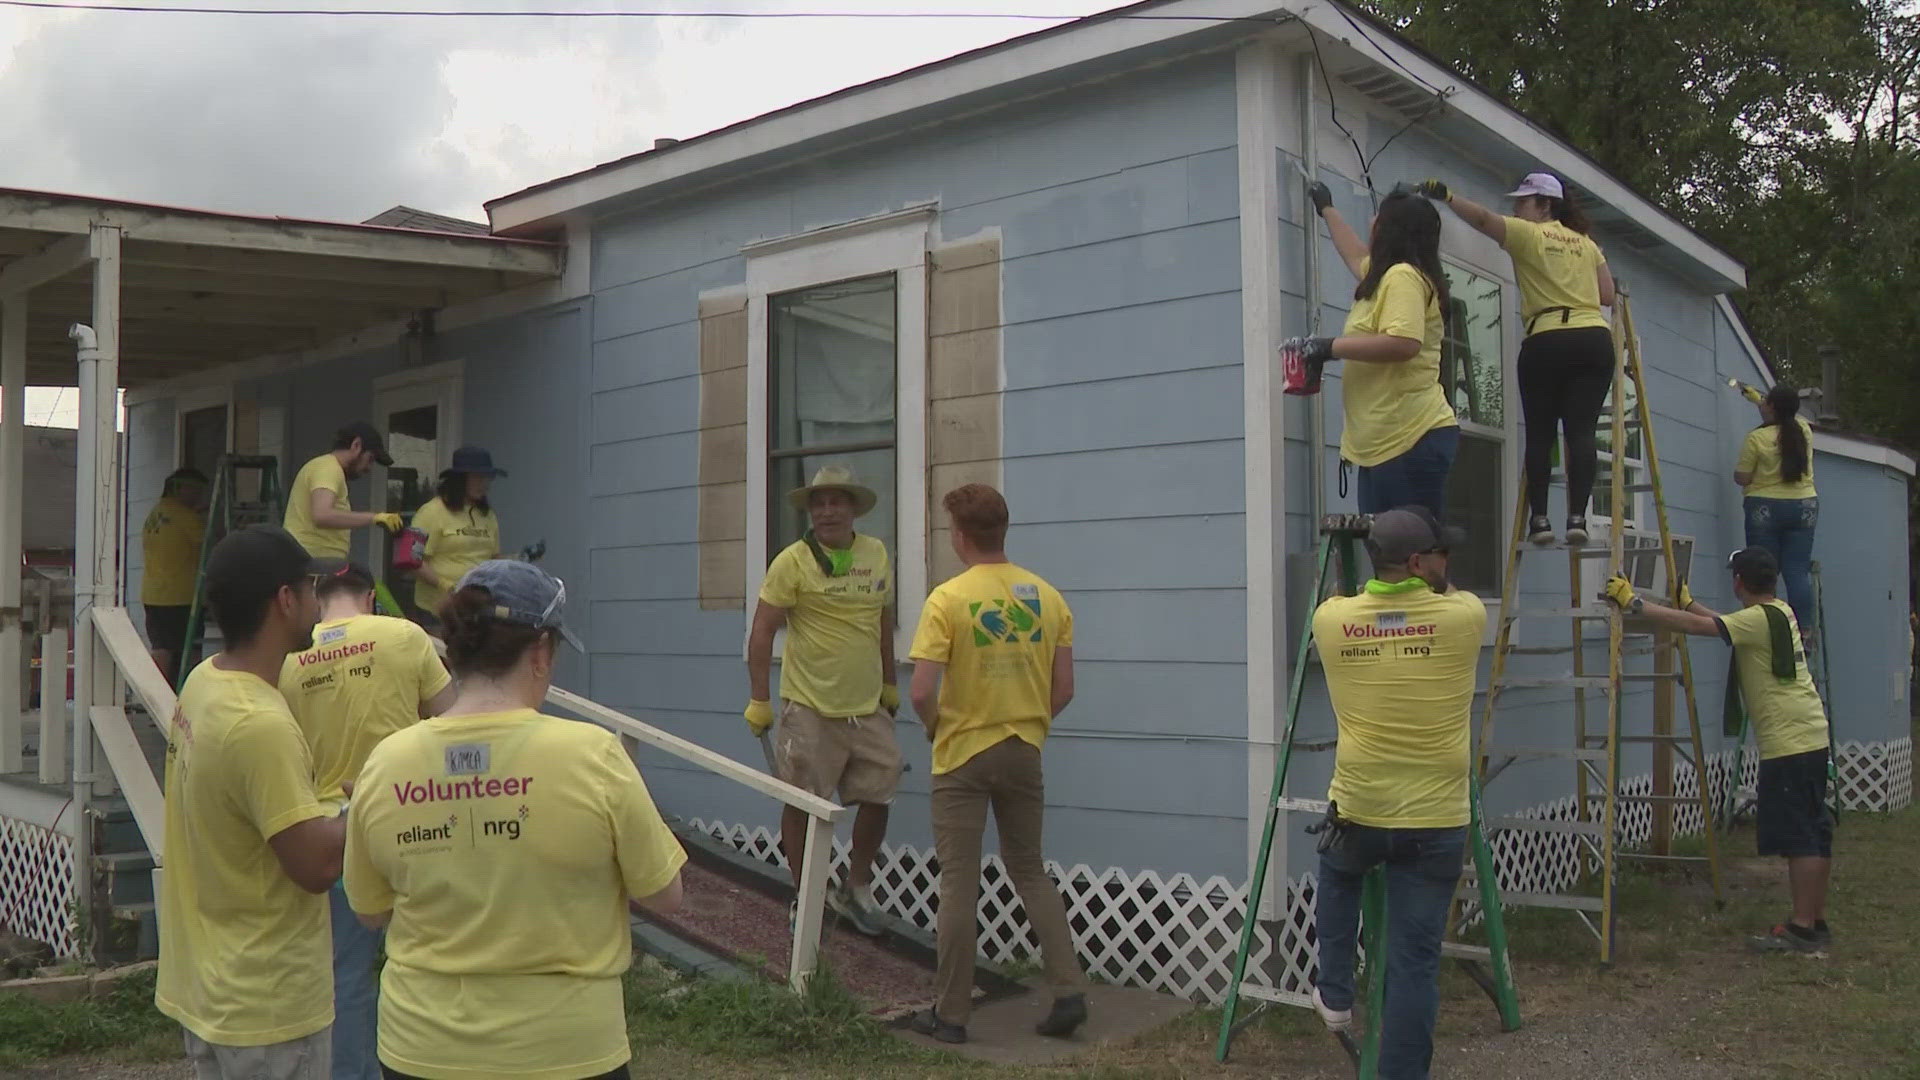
[
  {"x": 858, "y": 758},
  {"x": 309, "y": 1058}
]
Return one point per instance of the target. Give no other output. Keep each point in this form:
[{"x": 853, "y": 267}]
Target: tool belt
[{"x": 1330, "y": 828}]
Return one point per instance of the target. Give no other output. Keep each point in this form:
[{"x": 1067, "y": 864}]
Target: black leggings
[
  {"x": 615, "y": 1075},
  {"x": 1565, "y": 376}
]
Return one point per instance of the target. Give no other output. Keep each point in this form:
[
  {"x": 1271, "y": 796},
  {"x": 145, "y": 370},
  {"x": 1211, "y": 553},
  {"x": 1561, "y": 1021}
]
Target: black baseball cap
[
  {"x": 249, "y": 567},
  {"x": 1403, "y": 532},
  {"x": 370, "y": 440}
]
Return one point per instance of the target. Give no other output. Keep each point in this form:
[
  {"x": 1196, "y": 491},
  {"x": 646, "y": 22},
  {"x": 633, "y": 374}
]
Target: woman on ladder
[
  {"x": 1567, "y": 357},
  {"x": 1399, "y": 428},
  {"x": 1775, "y": 471}
]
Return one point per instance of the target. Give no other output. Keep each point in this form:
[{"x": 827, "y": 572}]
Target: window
[
  {"x": 1472, "y": 372},
  {"x": 1634, "y": 466},
  {"x": 831, "y": 397}
]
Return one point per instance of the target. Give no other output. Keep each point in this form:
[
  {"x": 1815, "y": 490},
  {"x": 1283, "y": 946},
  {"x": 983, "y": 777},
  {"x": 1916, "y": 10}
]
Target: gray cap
[
  {"x": 1401, "y": 533},
  {"x": 523, "y": 593}
]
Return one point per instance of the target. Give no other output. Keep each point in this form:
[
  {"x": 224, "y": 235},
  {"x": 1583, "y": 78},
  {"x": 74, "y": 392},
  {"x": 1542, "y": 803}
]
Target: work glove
[
  {"x": 1683, "y": 597},
  {"x": 890, "y": 698},
  {"x": 1433, "y": 189},
  {"x": 1321, "y": 195},
  {"x": 1619, "y": 593},
  {"x": 390, "y": 522},
  {"x": 759, "y": 716},
  {"x": 1314, "y": 350}
]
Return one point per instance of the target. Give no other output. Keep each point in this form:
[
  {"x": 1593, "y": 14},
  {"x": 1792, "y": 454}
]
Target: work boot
[
  {"x": 1540, "y": 529},
  {"x": 928, "y": 1023},
  {"x": 858, "y": 908},
  {"x": 1577, "y": 531},
  {"x": 1068, "y": 1014}
]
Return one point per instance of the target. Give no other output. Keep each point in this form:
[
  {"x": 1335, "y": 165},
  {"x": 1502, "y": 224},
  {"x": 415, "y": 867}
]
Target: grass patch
[{"x": 123, "y": 1021}]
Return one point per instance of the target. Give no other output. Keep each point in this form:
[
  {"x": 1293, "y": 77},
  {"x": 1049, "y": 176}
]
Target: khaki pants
[
  {"x": 1007, "y": 777},
  {"x": 308, "y": 1058}
]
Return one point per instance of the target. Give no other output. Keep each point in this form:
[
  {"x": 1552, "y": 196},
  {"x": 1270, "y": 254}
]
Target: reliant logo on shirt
[{"x": 427, "y": 834}]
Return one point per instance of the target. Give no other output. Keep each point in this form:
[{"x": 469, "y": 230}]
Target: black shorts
[
  {"x": 167, "y": 628},
  {"x": 1793, "y": 819}
]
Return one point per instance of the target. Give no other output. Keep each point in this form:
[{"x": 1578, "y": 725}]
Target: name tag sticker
[
  {"x": 1026, "y": 591},
  {"x": 331, "y": 634},
  {"x": 469, "y": 759},
  {"x": 1391, "y": 620}
]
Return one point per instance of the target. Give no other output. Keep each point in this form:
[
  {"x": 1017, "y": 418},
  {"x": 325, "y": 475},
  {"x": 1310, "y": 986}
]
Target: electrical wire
[
  {"x": 1359, "y": 154},
  {"x": 151, "y": 9}
]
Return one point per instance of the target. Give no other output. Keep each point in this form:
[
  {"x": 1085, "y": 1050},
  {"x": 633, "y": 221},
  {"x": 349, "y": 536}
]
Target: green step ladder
[{"x": 1487, "y": 965}]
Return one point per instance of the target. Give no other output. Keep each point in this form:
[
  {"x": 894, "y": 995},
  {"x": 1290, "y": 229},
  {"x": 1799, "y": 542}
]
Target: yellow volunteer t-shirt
[
  {"x": 506, "y": 846},
  {"x": 170, "y": 547},
  {"x": 1760, "y": 457},
  {"x": 995, "y": 627},
  {"x": 365, "y": 678},
  {"x": 246, "y": 956},
  {"x": 1555, "y": 267},
  {"x": 1787, "y": 715},
  {"x": 1400, "y": 662},
  {"x": 321, "y": 474},
  {"x": 831, "y": 661},
  {"x": 1390, "y": 406},
  {"x": 457, "y": 541}
]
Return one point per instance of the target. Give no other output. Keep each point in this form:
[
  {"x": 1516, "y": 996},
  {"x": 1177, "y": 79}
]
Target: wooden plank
[
  {"x": 815, "y": 868},
  {"x": 130, "y": 654},
  {"x": 137, "y": 784}
]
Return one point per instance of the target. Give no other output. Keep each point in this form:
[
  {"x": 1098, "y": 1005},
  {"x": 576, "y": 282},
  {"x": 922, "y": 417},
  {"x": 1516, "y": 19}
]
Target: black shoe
[
  {"x": 1068, "y": 1014},
  {"x": 1540, "y": 529},
  {"x": 1576, "y": 531},
  {"x": 929, "y": 1023},
  {"x": 1823, "y": 934}
]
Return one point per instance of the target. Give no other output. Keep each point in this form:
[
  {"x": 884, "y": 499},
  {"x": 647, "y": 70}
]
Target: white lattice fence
[
  {"x": 36, "y": 883},
  {"x": 1179, "y": 935}
]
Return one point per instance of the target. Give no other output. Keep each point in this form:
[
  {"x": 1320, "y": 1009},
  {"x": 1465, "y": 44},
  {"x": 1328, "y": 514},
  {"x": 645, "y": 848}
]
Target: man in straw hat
[{"x": 831, "y": 590}]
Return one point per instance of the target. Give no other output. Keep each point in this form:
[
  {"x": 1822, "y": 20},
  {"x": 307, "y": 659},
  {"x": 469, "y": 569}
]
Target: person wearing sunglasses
[
  {"x": 1401, "y": 659},
  {"x": 503, "y": 849},
  {"x": 365, "y": 677}
]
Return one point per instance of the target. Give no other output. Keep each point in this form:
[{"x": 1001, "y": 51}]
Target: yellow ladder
[{"x": 1596, "y": 825}]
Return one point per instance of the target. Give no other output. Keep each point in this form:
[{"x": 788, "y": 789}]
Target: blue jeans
[
  {"x": 356, "y": 992},
  {"x": 1784, "y": 527},
  {"x": 1417, "y": 477},
  {"x": 1423, "y": 868}
]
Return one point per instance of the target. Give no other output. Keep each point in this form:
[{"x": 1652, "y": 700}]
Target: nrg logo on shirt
[{"x": 506, "y": 827}]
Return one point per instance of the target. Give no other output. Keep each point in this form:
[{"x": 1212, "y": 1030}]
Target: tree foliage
[{"x": 1784, "y": 130}]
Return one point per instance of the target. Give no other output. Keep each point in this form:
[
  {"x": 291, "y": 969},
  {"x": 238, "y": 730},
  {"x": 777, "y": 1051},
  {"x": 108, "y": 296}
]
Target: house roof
[
  {"x": 199, "y": 289},
  {"x": 1040, "y": 60},
  {"x": 407, "y": 217}
]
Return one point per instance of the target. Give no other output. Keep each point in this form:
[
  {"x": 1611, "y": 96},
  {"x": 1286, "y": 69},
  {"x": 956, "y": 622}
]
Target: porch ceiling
[{"x": 201, "y": 289}]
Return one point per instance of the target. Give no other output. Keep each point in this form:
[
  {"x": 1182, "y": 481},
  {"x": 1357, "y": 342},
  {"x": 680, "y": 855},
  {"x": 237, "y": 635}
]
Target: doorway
[{"x": 418, "y": 413}]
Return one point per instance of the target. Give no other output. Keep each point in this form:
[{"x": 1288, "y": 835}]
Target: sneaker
[
  {"x": 793, "y": 918},
  {"x": 858, "y": 908},
  {"x": 1068, "y": 1014},
  {"x": 1540, "y": 530},
  {"x": 928, "y": 1023},
  {"x": 1337, "y": 1020},
  {"x": 1787, "y": 938},
  {"x": 1576, "y": 531},
  {"x": 1823, "y": 934}
]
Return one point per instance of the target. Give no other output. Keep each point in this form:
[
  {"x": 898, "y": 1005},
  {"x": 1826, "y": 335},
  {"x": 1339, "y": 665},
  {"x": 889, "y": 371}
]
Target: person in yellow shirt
[
  {"x": 1400, "y": 661},
  {"x": 502, "y": 850},
  {"x": 993, "y": 665},
  {"x": 250, "y": 849},
  {"x": 1776, "y": 687},
  {"x": 1567, "y": 358},
  {"x": 318, "y": 512},
  {"x": 461, "y": 530},
  {"x": 170, "y": 550},
  {"x": 1399, "y": 428},
  {"x": 1775, "y": 472},
  {"x": 366, "y": 677},
  {"x": 832, "y": 590}
]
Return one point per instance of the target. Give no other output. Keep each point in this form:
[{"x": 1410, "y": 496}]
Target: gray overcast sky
[{"x": 340, "y": 118}]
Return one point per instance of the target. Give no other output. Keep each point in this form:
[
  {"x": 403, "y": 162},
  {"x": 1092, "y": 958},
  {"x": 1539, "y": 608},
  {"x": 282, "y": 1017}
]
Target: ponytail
[
  {"x": 1568, "y": 213},
  {"x": 478, "y": 643},
  {"x": 1784, "y": 401}
]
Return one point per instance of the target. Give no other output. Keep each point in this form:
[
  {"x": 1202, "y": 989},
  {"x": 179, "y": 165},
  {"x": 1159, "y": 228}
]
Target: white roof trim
[
  {"x": 1862, "y": 450},
  {"x": 1754, "y": 354}
]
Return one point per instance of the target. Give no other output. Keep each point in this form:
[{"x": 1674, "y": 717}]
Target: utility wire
[{"x": 1027, "y": 16}]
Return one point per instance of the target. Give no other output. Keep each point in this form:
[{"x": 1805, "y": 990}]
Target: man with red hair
[{"x": 993, "y": 665}]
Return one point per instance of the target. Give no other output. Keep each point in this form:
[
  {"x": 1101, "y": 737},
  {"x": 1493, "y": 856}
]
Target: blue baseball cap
[{"x": 523, "y": 593}]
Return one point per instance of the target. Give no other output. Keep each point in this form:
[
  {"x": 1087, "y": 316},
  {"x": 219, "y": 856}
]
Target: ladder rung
[
  {"x": 1460, "y": 950},
  {"x": 1278, "y": 997},
  {"x": 1539, "y": 650},
  {"x": 1587, "y": 682},
  {"x": 1571, "y": 753},
  {"x": 1675, "y": 799},
  {"x": 1649, "y": 676},
  {"x": 1554, "y": 900},
  {"x": 1588, "y": 611},
  {"x": 1525, "y": 824},
  {"x": 1683, "y": 738},
  {"x": 1303, "y": 806},
  {"x": 1649, "y": 857}
]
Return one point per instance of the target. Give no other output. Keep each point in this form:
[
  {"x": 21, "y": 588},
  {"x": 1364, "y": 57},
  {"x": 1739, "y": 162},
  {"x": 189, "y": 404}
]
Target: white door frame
[
  {"x": 442, "y": 384},
  {"x": 207, "y": 397}
]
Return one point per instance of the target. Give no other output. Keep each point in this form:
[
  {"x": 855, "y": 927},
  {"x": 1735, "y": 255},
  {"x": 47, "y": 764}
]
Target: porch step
[
  {"x": 136, "y": 933},
  {"x": 129, "y": 876}
]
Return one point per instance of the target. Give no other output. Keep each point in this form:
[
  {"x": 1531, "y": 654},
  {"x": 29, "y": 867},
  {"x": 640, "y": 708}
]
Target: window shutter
[
  {"x": 963, "y": 384},
  {"x": 723, "y": 451}
]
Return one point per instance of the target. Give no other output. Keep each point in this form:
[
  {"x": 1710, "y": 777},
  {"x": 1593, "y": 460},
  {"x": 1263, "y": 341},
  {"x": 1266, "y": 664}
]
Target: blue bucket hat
[
  {"x": 473, "y": 460},
  {"x": 525, "y": 594}
]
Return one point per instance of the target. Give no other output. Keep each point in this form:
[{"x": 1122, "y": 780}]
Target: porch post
[
  {"x": 96, "y": 506},
  {"x": 13, "y": 395}
]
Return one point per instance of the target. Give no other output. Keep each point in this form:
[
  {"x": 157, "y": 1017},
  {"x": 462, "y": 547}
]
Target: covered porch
[{"x": 105, "y": 296}]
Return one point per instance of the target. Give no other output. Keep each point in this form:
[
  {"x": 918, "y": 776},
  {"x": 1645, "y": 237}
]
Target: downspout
[
  {"x": 86, "y": 481},
  {"x": 1316, "y": 403}
]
